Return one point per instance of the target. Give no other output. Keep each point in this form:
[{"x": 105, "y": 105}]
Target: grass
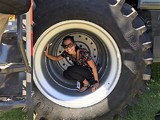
[
  {"x": 15, "y": 114},
  {"x": 148, "y": 103}
]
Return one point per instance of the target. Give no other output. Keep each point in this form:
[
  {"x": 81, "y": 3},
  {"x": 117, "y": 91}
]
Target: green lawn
[
  {"x": 148, "y": 103},
  {"x": 15, "y": 114}
]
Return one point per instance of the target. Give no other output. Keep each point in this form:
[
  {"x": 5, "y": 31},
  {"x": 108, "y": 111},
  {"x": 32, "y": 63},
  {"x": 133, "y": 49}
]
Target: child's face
[{"x": 69, "y": 46}]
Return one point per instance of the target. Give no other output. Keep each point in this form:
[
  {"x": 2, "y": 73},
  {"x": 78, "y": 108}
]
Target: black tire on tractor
[{"x": 116, "y": 21}]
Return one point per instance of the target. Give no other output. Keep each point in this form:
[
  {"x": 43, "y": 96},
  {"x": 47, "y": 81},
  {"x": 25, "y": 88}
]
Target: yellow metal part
[{"x": 12, "y": 18}]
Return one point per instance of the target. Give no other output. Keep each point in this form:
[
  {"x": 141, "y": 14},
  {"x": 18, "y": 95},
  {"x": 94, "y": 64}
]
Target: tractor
[{"x": 122, "y": 37}]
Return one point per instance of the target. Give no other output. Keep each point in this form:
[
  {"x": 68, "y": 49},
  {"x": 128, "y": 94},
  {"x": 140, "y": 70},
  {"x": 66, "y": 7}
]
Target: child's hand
[{"x": 46, "y": 51}]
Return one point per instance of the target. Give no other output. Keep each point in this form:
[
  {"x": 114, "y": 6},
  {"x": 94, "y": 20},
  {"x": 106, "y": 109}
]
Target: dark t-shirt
[{"x": 84, "y": 56}]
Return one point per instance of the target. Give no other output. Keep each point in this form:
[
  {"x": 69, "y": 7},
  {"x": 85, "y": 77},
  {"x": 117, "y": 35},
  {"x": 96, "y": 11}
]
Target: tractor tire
[{"x": 112, "y": 32}]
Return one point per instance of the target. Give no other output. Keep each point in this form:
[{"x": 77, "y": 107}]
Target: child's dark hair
[
  {"x": 70, "y": 38},
  {"x": 66, "y": 38}
]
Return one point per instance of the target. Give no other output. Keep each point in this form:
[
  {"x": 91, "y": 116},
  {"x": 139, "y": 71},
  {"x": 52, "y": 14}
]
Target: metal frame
[
  {"x": 27, "y": 58},
  {"x": 12, "y": 104},
  {"x": 149, "y": 4},
  {"x": 155, "y": 34},
  {"x": 29, "y": 53}
]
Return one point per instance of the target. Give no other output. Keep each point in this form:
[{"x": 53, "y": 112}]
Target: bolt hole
[
  {"x": 60, "y": 51},
  {"x": 64, "y": 64},
  {"x": 79, "y": 36},
  {"x": 95, "y": 56},
  {"x": 91, "y": 43},
  {"x": 80, "y": 46},
  {"x": 86, "y": 38},
  {"x": 94, "y": 49}
]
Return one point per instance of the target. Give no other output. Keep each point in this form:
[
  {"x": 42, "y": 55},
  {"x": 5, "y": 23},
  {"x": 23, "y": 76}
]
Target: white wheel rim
[{"x": 64, "y": 99}]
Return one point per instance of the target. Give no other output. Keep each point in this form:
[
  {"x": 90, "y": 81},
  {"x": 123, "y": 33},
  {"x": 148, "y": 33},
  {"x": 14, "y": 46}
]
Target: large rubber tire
[
  {"x": 15, "y": 7},
  {"x": 119, "y": 22}
]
